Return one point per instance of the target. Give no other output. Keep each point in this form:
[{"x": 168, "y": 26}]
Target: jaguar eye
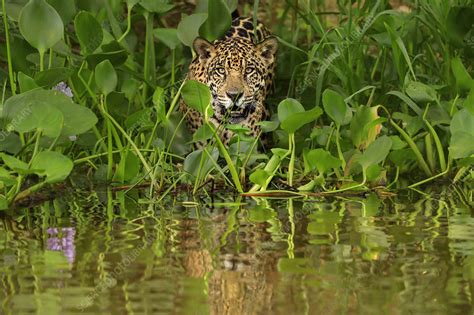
[
  {"x": 249, "y": 70},
  {"x": 220, "y": 70}
]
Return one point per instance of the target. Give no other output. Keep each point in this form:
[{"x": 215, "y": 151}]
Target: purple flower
[
  {"x": 65, "y": 243},
  {"x": 63, "y": 88}
]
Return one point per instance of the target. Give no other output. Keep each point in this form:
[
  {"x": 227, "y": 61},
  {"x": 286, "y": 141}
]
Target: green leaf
[
  {"x": 89, "y": 32},
  {"x": 321, "y": 160},
  {"x": 462, "y": 135},
  {"x": 156, "y": 6},
  {"x": 259, "y": 177},
  {"x": 188, "y": 28},
  {"x": 65, "y": 8},
  {"x": 159, "y": 100},
  {"x": 51, "y": 77},
  {"x": 364, "y": 126},
  {"x": 13, "y": 163},
  {"x": 40, "y": 25},
  {"x": 469, "y": 101},
  {"x": 169, "y": 36},
  {"x": 376, "y": 152},
  {"x": 105, "y": 77},
  {"x": 196, "y": 95},
  {"x": 199, "y": 163},
  {"x": 289, "y": 107},
  {"x": 203, "y": 133},
  {"x": 10, "y": 142},
  {"x": 218, "y": 20},
  {"x": 420, "y": 92},
  {"x": 335, "y": 106},
  {"x": 26, "y": 83},
  {"x": 298, "y": 120},
  {"x": 27, "y": 112},
  {"x": 55, "y": 166},
  {"x": 463, "y": 78},
  {"x": 128, "y": 167}
]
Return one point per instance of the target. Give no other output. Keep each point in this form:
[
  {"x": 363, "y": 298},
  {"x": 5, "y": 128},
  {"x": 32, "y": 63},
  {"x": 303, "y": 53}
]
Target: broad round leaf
[
  {"x": 462, "y": 134},
  {"x": 298, "y": 120},
  {"x": 420, "y": 92},
  {"x": 196, "y": 95},
  {"x": 40, "y": 25},
  {"x": 289, "y": 107},
  {"x": 199, "y": 162},
  {"x": 65, "y": 8},
  {"x": 23, "y": 111},
  {"x": 105, "y": 77},
  {"x": 188, "y": 28},
  {"x": 335, "y": 107},
  {"x": 55, "y": 166},
  {"x": 89, "y": 32},
  {"x": 259, "y": 177},
  {"x": 218, "y": 20},
  {"x": 169, "y": 36},
  {"x": 321, "y": 160}
]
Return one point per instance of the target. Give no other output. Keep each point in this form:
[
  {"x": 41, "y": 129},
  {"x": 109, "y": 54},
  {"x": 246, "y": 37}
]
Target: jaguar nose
[{"x": 235, "y": 96}]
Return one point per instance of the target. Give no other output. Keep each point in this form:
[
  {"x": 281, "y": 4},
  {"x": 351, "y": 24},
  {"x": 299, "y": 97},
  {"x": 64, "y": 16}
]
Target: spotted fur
[{"x": 238, "y": 70}]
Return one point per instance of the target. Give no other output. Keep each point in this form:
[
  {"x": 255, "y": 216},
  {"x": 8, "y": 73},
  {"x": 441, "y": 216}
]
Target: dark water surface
[{"x": 241, "y": 256}]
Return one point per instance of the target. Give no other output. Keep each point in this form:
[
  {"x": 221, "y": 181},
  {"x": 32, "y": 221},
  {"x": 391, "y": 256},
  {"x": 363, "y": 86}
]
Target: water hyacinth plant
[{"x": 366, "y": 95}]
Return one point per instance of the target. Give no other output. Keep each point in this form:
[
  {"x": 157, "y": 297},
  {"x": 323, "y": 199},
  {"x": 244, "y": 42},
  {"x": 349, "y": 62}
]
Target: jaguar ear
[
  {"x": 203, "y": 48},
  {"x": 268, "y": 48}
]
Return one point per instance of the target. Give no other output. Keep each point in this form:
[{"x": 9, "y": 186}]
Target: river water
[{"x": 407, "y": 254}]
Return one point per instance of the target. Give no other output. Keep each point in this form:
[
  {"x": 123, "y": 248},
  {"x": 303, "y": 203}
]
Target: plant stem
[
  {"x": 419, "y": 156},
  {"x": 291, "y": 165},
  {"x": 9, "y": 57}
]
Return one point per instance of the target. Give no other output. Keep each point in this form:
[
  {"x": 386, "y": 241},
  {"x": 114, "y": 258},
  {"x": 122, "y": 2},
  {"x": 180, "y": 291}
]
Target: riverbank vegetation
[{"x": 368, "y": 95}]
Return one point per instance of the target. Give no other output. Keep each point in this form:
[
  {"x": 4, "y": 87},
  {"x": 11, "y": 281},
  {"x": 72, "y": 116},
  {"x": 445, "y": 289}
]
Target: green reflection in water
[{"x": 243, "y": 256}]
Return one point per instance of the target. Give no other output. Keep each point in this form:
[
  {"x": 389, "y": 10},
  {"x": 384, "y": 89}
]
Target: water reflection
[
  {"x": 358, "y": 256},
  {"x": 62, "y": 239}
]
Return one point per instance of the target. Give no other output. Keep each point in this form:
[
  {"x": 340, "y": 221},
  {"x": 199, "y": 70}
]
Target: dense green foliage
[{"x": 365, "y": 96}]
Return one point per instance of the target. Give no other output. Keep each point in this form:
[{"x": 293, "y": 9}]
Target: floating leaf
[
  {"x": 55, "y": 166},
  {"x": 105, "y": 77},
  {"x": 40, "y": 25},
  {"x": 89, "y": 32}
]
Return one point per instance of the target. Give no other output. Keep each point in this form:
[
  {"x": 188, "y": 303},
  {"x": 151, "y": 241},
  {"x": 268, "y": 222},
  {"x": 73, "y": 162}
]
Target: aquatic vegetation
[{"x": 365, "y": 96}]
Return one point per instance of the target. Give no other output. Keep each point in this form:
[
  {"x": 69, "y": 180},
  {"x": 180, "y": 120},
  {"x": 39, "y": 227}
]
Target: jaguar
[{"x": 239, "y": 70}]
